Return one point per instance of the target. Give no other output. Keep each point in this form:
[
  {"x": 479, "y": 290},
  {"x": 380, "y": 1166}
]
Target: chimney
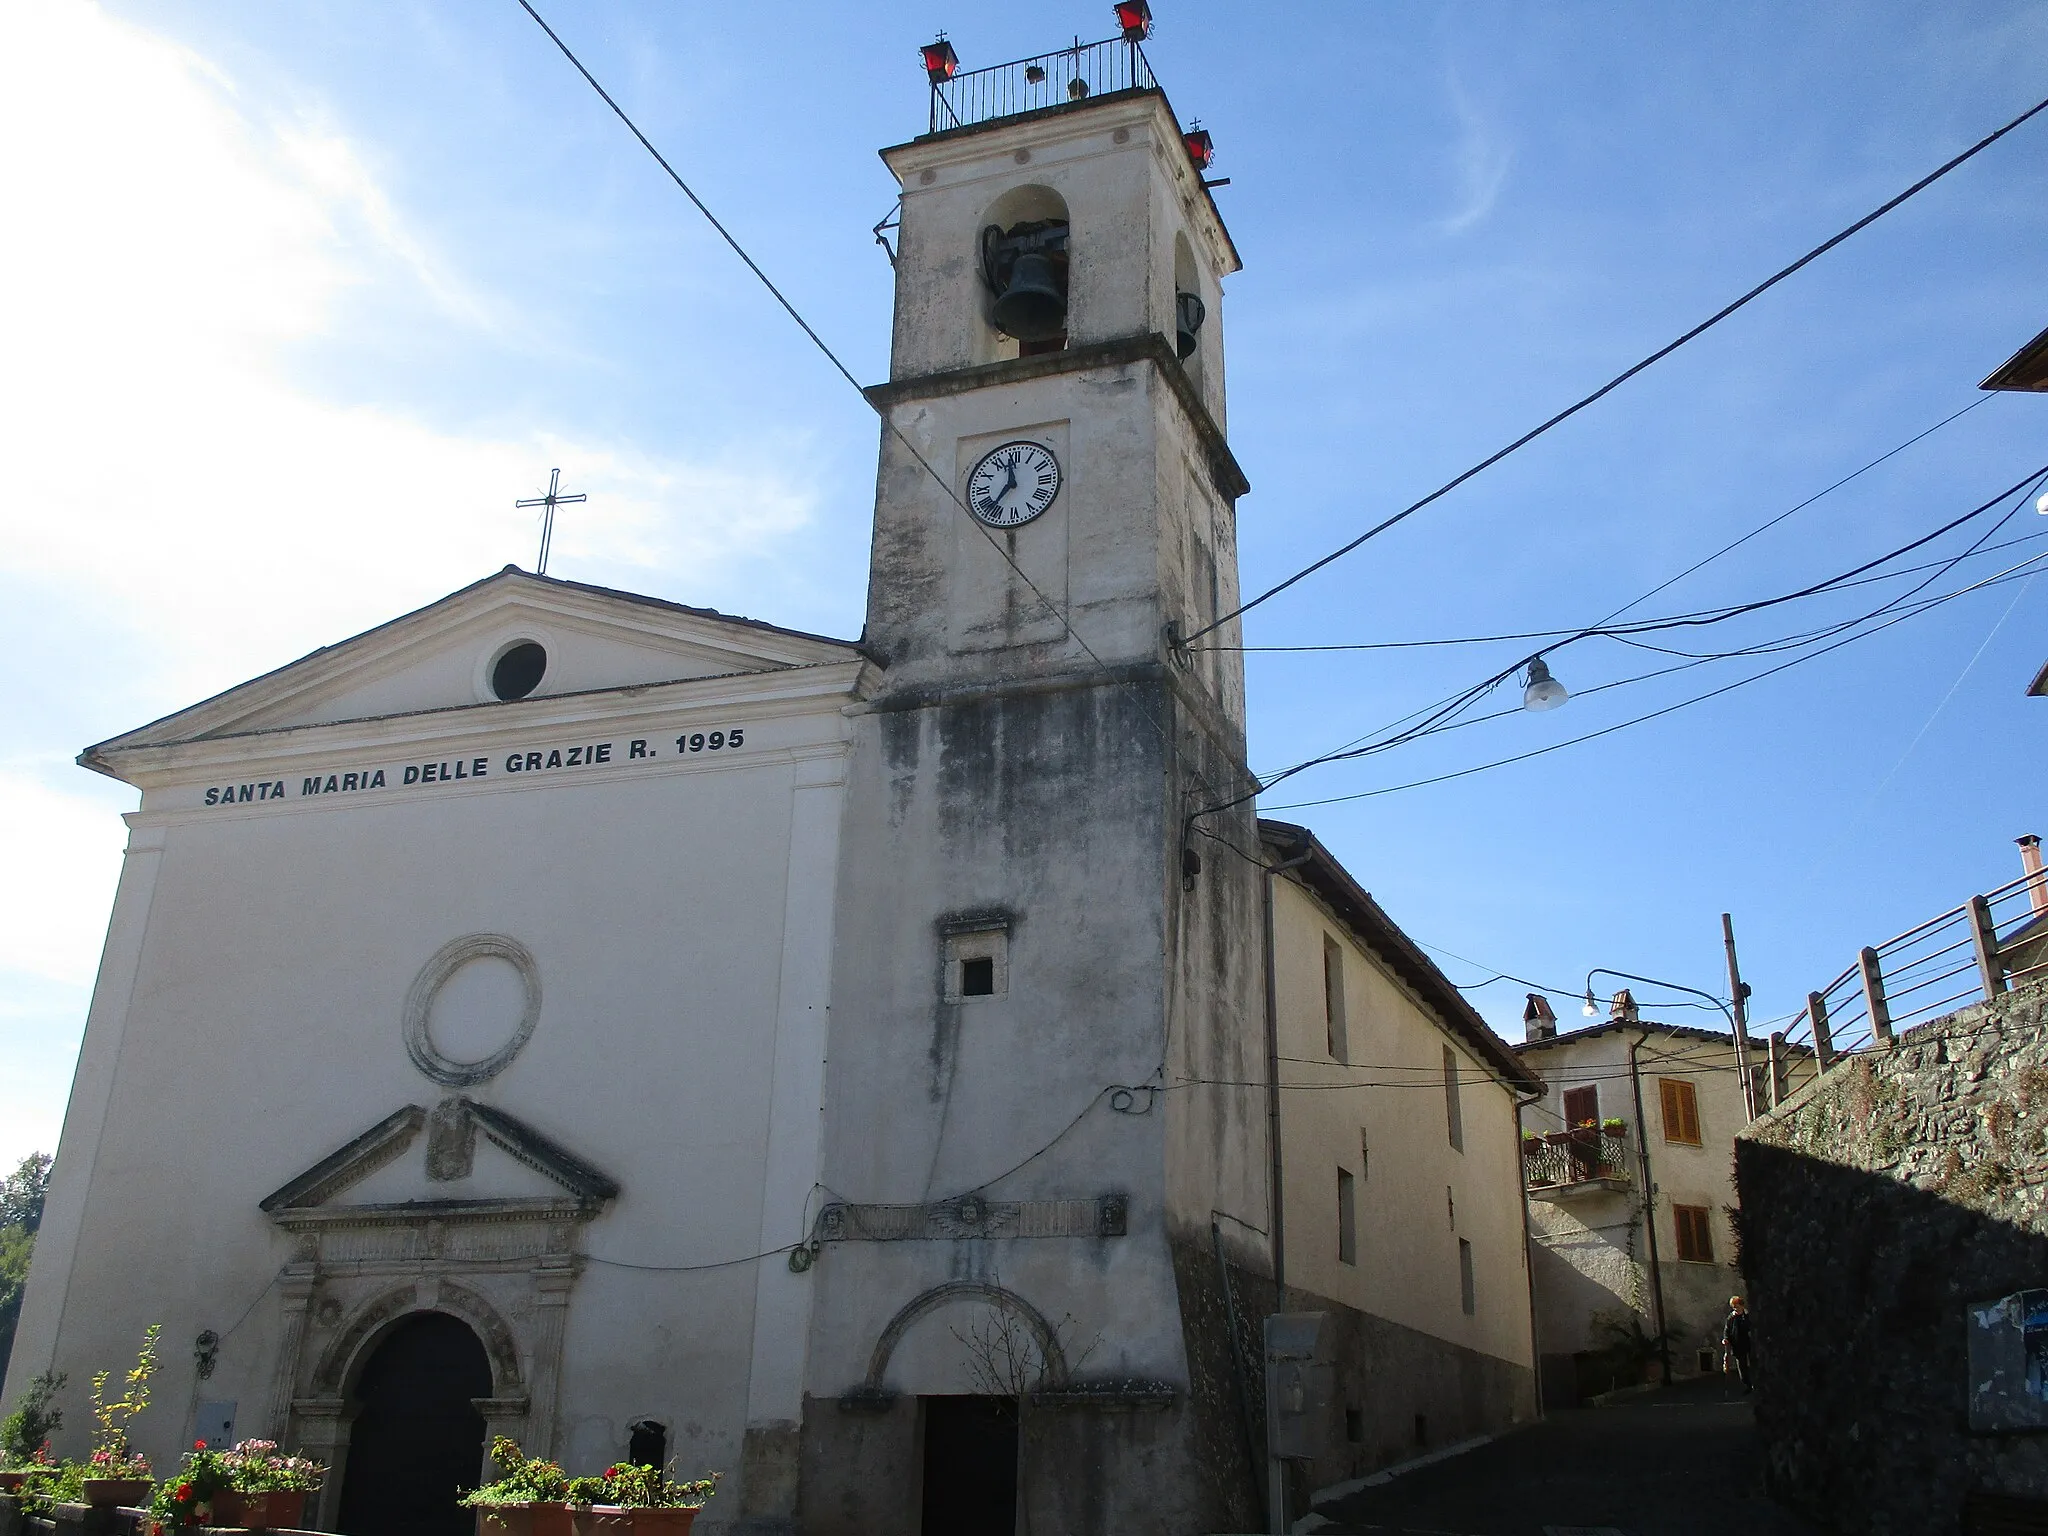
[
  {"x": 2030, "y": 860},
  {"x": 1623, "y": 1010},
  {"x": 1538, "y": 1022}
]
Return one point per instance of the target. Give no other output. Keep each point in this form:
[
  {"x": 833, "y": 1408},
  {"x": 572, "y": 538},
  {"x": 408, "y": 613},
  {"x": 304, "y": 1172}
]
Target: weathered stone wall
[{"x": 1877, "y": 1205}]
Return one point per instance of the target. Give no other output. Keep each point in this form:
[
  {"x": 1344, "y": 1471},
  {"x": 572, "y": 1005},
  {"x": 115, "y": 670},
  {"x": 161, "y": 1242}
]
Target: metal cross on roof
[{"x": 552, "y": 500}]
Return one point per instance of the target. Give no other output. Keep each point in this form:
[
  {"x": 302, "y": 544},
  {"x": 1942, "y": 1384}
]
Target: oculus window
[{"x": 518, "y": 671}]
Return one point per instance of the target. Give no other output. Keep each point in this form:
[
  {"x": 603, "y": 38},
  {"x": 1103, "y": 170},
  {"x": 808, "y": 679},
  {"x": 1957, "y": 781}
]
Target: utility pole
[
  {"x": 1740, "y": 994},
  {"x": 1650, "y": 1213}
]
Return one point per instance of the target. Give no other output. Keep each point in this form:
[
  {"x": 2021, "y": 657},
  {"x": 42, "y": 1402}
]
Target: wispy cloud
[
  {"x": 191, "y": 512},
  {"x": 1479, "y": 163}
]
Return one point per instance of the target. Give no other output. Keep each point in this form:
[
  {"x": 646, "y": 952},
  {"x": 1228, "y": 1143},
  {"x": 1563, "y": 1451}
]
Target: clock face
[{"x": 1013, "y": 484}]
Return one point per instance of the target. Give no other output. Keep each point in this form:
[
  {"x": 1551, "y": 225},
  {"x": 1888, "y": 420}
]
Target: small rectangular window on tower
[
  {"x": 1347, "y": 1218},
  {"x": 1468, "y": 1289},
  {"x": 1333, "y": 999},
  {"x": 975, "y": 957}
]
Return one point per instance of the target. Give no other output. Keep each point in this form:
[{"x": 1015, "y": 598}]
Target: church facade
[{"x": 844, "y": 1066}]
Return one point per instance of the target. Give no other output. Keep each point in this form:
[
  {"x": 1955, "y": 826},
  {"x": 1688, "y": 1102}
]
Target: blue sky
[{"x": 301, "y": 298}]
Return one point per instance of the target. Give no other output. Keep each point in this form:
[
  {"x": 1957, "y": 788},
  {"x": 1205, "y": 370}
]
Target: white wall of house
[
  {"x": 1417, "y": 1195},
  {"x": 1591, "y": 1246}
]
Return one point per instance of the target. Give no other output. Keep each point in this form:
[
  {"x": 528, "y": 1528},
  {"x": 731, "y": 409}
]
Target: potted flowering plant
[
  {"x": 641, "y": 1501},
  {"x": 529, "y": 1498},
  {"x": 25, "y": 1433},
  {"x": 266, "y": 1490},
  {"x": 38, "y": 1467},
  {"x": 117, "y": 1473},
  {"x": 186, "y": 1498},
  {"x": 250, "y": 1488}
]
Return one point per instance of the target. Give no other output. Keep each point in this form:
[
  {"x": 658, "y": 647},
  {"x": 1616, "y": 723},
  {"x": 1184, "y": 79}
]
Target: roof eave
[{"x": 1326, "y": 876}]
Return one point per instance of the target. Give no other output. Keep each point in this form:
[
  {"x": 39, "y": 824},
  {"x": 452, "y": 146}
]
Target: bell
[
  {"x": 1188, "y": 314},
  {"x": 1032, "y": 308}
]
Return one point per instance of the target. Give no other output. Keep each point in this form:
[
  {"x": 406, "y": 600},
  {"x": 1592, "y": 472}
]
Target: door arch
[{"x": 418, "y": 1438}]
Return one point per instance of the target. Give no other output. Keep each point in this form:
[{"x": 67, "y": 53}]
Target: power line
[
  {"x": 1639, "y": 719},
  {"x": 1549, "y": 634},
  {"x": 1623, "y": 377},
  {"x": 1442, "y": 715}
]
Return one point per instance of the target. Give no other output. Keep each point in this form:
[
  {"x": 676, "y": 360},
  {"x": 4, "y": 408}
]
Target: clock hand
[{"x": 1011, "y": 484}]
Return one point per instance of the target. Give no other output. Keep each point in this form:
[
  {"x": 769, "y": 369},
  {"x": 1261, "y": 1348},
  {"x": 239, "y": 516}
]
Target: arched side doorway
[{"x": 418, "y": 1439}]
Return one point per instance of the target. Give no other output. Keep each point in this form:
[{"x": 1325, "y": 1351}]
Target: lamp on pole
[{"x": 1643, "y": 1148}]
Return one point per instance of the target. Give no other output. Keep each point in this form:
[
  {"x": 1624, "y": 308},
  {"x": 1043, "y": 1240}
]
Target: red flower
[
  {"x": 184, "y": 1491},
  {"x": 198, "y": 1445}
]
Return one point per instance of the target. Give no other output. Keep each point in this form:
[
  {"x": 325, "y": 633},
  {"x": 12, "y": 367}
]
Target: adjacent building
[
  {"x": 1634, "y": 1106},
  {"x": 1402, "y": 1213}
]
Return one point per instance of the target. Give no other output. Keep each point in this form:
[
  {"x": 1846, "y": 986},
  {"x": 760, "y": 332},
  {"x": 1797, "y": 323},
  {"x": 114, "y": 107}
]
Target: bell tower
[
  {"x": 1058, "y": 283},
  {"x": 1045, "y": 997}
]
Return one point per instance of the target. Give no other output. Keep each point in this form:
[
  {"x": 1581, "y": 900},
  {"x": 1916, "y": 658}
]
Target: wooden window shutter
[
  {"x": 1695, "y": 1224},
  {"x": 1581, "y": 1105},
  {"x": 1681, "y": 1107}
]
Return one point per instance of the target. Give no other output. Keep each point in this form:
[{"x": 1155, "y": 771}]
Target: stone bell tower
[{"x": 1046, "y": 979}]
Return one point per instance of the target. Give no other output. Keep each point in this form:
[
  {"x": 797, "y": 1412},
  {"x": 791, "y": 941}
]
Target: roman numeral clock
[{"x": 1013, "y": 483}]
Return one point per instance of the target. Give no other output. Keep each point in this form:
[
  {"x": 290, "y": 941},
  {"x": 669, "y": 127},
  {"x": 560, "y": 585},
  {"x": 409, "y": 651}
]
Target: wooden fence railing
[{"x": 1975, "y": 951}]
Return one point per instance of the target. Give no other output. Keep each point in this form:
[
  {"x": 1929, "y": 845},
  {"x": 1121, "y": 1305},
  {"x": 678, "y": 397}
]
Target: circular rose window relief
[{"x": 471, "y": 1008}]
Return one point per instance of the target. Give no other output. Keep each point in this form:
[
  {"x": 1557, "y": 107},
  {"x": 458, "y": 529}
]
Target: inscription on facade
[{"x": 587, "y": 754}]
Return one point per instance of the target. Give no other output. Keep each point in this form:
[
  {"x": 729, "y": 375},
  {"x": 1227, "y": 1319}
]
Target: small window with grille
[{"x": 975, "y": 958}]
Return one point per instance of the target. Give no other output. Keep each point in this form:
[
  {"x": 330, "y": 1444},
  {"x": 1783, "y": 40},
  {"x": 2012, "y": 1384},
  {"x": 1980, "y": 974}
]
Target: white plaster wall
[
  {"x": 272, "y": 953},
  {"x": 1407, "y": 1268}
]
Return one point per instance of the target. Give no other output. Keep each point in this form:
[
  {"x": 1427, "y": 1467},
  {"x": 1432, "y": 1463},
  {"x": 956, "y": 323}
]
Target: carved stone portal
[{"x": 505, "y": 1267}]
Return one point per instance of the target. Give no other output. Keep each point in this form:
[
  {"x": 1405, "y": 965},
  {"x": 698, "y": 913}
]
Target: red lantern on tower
[
  {"x": 940, "y": 61},
  {"x": 1201, "y": 149},
  {"x": 1133, "y": 19}
]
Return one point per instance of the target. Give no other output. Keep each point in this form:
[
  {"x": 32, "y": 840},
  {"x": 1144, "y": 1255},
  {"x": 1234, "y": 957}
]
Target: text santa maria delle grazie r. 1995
[{"x": 593, "y": 754}]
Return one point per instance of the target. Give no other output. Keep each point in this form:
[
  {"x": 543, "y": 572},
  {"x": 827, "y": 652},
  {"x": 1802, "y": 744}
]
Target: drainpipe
[
  {"x": 1529, "y": 1249},
  {"x": 1635, "y": 1078},
  {"x": 1276, "y": 1197}
]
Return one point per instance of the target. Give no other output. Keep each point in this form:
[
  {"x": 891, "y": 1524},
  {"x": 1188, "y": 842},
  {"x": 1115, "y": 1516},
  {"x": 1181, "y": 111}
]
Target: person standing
[{"x": 1735, "y": 1340}]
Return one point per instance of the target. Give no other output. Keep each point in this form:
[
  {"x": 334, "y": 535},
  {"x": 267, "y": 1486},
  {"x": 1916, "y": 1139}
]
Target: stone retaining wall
[{"x": 1879, "y": 1206}]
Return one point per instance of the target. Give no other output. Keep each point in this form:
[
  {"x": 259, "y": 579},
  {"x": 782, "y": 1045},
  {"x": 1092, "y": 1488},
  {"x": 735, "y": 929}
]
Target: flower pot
[
  {"x": 277, "y": 1509},
  {"x": 620, "y": 1520},
  {"x": 662, "y": 1522},
  {"x": 116, "y": 1492},
  {"x": 525, "y": 1520},
  {"x": 10, "y": 1482}
]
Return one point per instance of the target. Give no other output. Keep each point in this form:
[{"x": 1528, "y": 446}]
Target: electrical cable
[
  {"x": 1550, "y": 634},
  {"x": 1623, "y": 725},
  {"x": 1623, "y": 377},
  {"x": 1440, "y": 716}
]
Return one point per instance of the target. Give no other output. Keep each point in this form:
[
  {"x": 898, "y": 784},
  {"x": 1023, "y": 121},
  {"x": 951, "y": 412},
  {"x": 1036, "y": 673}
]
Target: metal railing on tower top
[{"x": 1044, "y": 80}]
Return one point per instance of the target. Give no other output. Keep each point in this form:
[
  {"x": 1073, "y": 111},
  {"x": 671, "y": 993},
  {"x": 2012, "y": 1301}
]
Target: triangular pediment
[
  {"x": 458, "y": 1151},
  {"x": 442, "y": 656}
]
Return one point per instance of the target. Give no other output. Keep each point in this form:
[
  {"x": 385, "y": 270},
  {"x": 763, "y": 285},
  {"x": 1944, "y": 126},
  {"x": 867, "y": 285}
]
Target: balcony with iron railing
[
  {"x": 1066, "y": 76},
  {"x": 1578, "y": 1161},
  {"x": 1970, "y": 953}
]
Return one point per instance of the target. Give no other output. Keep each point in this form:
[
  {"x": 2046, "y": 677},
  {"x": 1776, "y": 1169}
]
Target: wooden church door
[{"x": 418, "y": 1441}]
